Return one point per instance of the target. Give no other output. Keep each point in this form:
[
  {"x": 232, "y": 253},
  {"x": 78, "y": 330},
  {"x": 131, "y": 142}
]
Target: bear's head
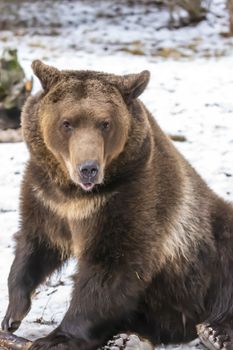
[{"x": 83, "y": 119}]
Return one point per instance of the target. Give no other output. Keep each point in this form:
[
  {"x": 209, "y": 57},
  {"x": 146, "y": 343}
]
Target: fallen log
[{"x": 9, "y": 341}]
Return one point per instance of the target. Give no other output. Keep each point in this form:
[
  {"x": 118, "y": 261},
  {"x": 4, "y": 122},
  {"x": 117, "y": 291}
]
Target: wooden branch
[{"x": 9, "y": 341}]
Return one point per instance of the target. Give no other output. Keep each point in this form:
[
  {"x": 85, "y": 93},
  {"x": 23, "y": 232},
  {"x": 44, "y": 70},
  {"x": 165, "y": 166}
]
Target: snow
[{"x": 189, "y": 94}]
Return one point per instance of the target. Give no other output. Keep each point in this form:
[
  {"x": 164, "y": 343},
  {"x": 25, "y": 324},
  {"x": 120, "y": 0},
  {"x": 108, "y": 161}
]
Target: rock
[{"x": 14, "y": 89}]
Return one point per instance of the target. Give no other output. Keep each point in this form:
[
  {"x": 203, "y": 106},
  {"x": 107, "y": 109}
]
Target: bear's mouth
[{"x": 87, "y": 186}]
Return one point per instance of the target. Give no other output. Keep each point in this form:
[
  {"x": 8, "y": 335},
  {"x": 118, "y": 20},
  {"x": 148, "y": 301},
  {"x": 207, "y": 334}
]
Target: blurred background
[{"x": 188, "y": 47}]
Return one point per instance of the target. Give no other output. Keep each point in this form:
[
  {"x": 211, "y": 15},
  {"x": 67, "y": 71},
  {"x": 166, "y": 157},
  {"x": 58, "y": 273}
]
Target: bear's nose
[{"x": 89, "y": 170}]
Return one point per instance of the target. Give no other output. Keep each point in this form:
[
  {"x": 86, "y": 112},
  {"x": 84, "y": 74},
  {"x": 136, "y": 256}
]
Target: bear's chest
[
  {"x": 71, "y": 208},
  {"x": 79, "y": 213}
]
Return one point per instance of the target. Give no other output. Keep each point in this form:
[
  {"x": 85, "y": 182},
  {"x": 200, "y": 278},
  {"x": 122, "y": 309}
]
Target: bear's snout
[
  {"x": 89, "y": 170},
  {"x": 88, "y": 173}
]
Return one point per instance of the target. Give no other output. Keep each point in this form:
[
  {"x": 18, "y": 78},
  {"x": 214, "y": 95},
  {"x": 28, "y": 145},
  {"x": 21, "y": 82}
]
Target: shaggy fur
[{"x": 154, "y": 243}]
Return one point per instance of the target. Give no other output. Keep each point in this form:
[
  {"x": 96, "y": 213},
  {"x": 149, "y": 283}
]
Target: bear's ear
[
  {"x": 47, "y": 75},
  {"x": 133, "y": 85}
]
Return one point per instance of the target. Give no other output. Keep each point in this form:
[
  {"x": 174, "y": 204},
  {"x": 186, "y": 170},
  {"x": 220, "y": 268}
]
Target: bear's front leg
[
  {"x": 34, "y": 261},
  {"x": 102, "y": 304}
]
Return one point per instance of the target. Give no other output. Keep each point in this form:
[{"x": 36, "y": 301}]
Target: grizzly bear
[{"x": 105, "y": 184}]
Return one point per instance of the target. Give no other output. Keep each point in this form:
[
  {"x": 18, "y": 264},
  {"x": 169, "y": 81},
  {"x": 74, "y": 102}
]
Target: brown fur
[{"x": 154, "y": 243}]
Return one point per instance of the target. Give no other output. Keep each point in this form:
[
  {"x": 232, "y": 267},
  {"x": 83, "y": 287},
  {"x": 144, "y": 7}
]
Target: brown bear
[{"x": 154, "y": 244}]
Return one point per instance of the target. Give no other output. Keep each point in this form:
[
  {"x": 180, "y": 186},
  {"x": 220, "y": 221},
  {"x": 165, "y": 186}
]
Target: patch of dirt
[{"x": 11, "y": 135}]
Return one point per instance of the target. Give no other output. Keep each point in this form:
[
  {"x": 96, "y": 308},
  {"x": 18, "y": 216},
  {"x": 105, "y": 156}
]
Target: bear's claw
[
  {"x": 10, "y": 325},
  {"x": 214, "y": 338}
]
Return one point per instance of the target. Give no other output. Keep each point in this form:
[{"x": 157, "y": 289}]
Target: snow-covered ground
[{"x": 189, "y": 94}]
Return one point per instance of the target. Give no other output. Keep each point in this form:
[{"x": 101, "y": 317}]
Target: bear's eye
[
  {"x": 105, "y": 125},
  {"x": 66, "y": 125}
]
